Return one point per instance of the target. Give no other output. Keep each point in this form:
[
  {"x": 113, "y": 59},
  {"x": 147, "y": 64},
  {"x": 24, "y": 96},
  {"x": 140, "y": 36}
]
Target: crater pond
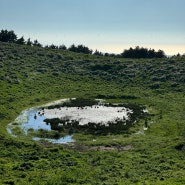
[{"x": 94, "y": 116}]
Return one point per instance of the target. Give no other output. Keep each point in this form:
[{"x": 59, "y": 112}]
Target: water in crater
[{"x": 31, "y": 119}]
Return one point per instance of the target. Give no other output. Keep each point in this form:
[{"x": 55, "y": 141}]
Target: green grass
[{"x": 31, "y": 76}]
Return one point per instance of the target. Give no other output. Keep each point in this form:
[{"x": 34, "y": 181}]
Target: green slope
[{"x": 32, "y": 76}]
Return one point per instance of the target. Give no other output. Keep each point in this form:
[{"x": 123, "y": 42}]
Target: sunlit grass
[{"x": 157, "y": 155}]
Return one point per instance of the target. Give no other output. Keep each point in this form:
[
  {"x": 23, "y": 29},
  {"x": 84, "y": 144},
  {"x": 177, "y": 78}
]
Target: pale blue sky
[{"x": 106, "y": 25}]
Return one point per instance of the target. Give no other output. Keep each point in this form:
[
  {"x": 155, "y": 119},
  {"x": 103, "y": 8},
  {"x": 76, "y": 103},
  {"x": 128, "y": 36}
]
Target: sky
[{"x": 106, "y": 25}]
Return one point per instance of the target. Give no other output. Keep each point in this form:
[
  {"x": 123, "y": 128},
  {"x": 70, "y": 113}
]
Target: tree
[
  {"x": 29, "y": 42},
  {"x": 72, "y": 48},
  {"x": 8, "y": 36},
  {"x": 151, "y": 53},
  {"x": 20, "y": 40},
  {"x": 160, "y": 54},
  {"x": 62, "y": 47},
  {"x": 83, "y": 49},
  {"x": 98, "y": 53},
  {"x": 80, "y": 49},
  {"x": 36, "y": 43},
  {"x": 142, "y": 53},
  {"x": 128, "y": 53},
  {"x": 52, "y": 46}
]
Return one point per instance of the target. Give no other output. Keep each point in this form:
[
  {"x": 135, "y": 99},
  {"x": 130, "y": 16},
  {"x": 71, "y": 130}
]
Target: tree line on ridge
[{"x": 137, "y": 52}]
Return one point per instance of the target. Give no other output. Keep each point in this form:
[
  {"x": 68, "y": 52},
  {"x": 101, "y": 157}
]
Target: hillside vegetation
[{"x": 31, "y": 75}]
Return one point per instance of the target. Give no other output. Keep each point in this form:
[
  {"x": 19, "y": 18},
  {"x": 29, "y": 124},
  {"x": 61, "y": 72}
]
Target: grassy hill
[{"x": 32, "y": 76}]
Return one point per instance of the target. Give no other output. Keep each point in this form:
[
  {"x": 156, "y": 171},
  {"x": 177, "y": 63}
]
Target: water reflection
[
  {"x": 66, "y": 139},
  {"x": 35, "y": 121},
  {"x": 32, "y": 120}
]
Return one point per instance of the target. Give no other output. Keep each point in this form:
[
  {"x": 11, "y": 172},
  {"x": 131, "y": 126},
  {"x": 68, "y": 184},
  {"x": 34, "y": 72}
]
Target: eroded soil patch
[{"x": 83, "y": 148}]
